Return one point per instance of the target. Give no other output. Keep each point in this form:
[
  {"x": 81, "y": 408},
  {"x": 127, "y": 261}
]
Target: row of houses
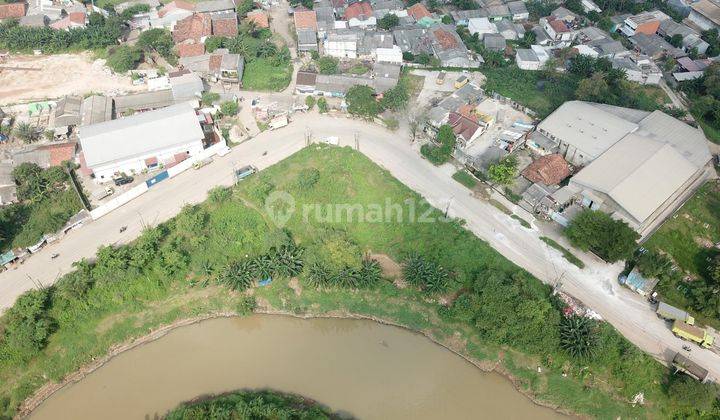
[{"x": 382, "y": 77}]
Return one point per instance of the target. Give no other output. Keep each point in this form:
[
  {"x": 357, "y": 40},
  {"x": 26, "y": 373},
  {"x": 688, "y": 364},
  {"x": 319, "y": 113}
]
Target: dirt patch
[
  {"x": 704, "y": 242},
  {"x": 53, "y": 76},
  {"x": 390, "y": 268},
  {"x": 294, "y": 284}
]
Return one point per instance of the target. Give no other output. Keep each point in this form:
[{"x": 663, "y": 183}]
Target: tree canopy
[
  {"x": 592, "y": 230},
  {"x": 361, "y": 102},
  {"x": 388, "y": 21},
  {"x": 504, "y": 171}
]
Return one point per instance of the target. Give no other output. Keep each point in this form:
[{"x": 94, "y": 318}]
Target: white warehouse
[{"x": 141, "y": 141}]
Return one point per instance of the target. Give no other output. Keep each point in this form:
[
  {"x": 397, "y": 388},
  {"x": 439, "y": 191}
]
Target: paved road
[{"x": 595, "y": 285}]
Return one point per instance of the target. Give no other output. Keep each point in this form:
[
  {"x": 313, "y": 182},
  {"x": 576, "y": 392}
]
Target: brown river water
[{"x": 369, "y": 370}]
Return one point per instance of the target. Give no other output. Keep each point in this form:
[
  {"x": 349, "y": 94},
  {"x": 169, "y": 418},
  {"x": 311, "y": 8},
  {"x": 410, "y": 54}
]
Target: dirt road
[
  {"x": 596, "y": 285},
  {"x": 57, "y": 75}
]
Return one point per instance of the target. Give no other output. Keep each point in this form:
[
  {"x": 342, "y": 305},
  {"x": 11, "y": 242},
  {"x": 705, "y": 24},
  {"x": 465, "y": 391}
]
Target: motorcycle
[
  {"x": 53, "y": 256},
  {"x": 123, "y": 229}
]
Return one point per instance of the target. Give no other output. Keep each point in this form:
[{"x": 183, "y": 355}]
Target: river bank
[
  {"x": 420, "y": 360},
  {"x": 48, "y": 390}
]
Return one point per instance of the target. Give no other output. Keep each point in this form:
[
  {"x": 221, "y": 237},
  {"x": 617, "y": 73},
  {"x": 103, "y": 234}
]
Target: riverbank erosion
[{"x": 434, "y": 277}]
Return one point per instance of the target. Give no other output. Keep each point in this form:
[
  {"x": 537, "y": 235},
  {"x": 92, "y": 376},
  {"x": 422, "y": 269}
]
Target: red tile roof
[
  {"x": 559, "y": 26},
  {"x": 190, "y": 49},
  {"x": 12, "y": 10},
  {"x": 59, "y": 153},
  {"x": 549, "y": 170},
  {"x": 215, "y": 62},
  {"x": 360, "y": 10},
  {"x": 418, "y": 11},
  {"x": 447, "y": 40},
  {"x": 305, "y": 19},
  {"x": 260, "y": 19},
  {"x": 176, "y": 5},
  {"x": 77, "y": 18},
  {"x": 192, "y": 27},
  {"x": 225, "y": 27},
  {"x": 462, "y": 126}
]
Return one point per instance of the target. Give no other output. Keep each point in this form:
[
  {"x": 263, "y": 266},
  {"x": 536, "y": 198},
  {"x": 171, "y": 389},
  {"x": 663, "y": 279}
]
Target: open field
[
  {"x": 492, "y": 311},
  {"x": 261, "y": 74},
  {"x": 58, "y": 75}
]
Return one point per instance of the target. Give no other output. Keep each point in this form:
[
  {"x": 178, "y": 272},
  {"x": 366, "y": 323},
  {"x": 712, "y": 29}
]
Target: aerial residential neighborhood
[{"x": 204, "y": 204}]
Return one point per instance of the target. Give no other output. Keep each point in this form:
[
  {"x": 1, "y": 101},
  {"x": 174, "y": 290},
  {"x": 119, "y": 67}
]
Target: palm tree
[
  {"x": 578, "y": 337},
  {"x": 288, "y": 260},
  {"x": 26, "y": 132},
  {"x": 238, "y": 275}
]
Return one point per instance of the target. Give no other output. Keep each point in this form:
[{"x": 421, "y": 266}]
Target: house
[
  {"x": 449, "y": 48},
  {"x": 384, "y": 7},
  {"x": 305, "y": 82},
  {"x": 418, "y": 11},
  {"x": 224, "y": 24},
  {"x": 412, "y": 40},
  {"x": 325, "y": 16},
  {"x": 190, "y": 48},
  {"x": 638, "y": 166},
  {"x": 142, "y": 101},
  {"x": 638, "y": 68},
  {"x": 468, "y": 94},
  {"x": 215, "y": 6},
  {"x": 121, "y": 7},
  {"x": 481, "y": 26},
  {"x": 359, "y": 14},
  {"x": 259, "y": 18},
  {"x": 703, "y": 13},
  {"x": 141, "y": 141},
  {"x": 494, "y": 42},
  {"x": 609, "y": 48},
  {"x": 196, "y": 27},
  {"x": 371, "y": 41},
  {"x": 518, "y": 11},
  {"x": 510, "y": 31},
  {"x": 45, "y": 156},
  {"x": 462, "y": 17},
  {"x": 96, "y": 109},
  {"x": 590, "y": 6},
  {"x": 186, "y": 86},
  {"x": 307, "y": 40},
  {"x": 564, "y": 14},
  {"x": 644, "y": 23},
  {"x": 34, "y": 21},
  {"x": 465, "y": 128},
  {"x": 690, "y": 38},
  {"x": 526, "y": 59},
  {"x": 219, "y": 65},
  {"x": 65, "y": 114},
  {"x": 392, "y": 55},
  {"x": 171, "y": 13},
  {"x": 547, "y": 170},
  {"x": 305, "y": 19},
  {"x": 342, "y": 43},
  {"x": 498, "y": 11},
  {"x": 71, "y": 21},
  {"x": 655, "y": 46},
  {"x": 12, "y": 10},
  {"x": 557, "y": 31}
]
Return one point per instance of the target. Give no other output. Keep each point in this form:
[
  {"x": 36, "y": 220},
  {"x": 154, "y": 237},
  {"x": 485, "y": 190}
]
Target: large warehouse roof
[
  {"x": 139, "y": 134},
  {"x": 590, "y": 129}
]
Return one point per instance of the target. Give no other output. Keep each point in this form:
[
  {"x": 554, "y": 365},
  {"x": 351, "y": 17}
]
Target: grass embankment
[
  {"x": 465, "y": 178},
  {"x": 252, "y": 404},
  {"x": 565, "y": 252},
  {"x": 497, "y": 312},
  {"x": 262, "y": 74},
  {"x": 689, "y": 239}
]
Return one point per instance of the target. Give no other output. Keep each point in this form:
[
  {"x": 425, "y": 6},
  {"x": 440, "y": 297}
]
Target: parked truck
[
  {"x": 672, "y": 313},
  {"x": 692, "y": 333}
]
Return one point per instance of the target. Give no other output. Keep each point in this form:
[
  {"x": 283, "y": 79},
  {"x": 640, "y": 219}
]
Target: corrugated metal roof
[{"x": 125, "y": 138}]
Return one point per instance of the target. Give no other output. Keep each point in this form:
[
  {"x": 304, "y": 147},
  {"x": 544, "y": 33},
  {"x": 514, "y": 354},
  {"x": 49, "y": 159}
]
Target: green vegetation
[
  {"x": 310, "y": 102},
  {"x": 565, "y": 252},
  {"x": 362, "y": 103},
  {"x": 159, "y": 41},
  {"x": 587, "y": 79},
  {"x": 327, "y": 65},
  {"x": 687, "y": 241},
  {"x": 229, "y": 108},
  {"x": 442, "y": 152},
  {"x": 704, "y": 94},
  {"x": 26, "y": 132},
  {"x": 322, "y": 105},
  {"x": 124, "y": 58},
  {"x": 100, "y": 33},
  {"x": 578, "y": 336},
  {"x": 358, "y": 69},
  {"x": 388, "y": 21},
  {"x": 47, "y": 201},
  {"x": 267, "y": 66},
  {"x": 259, "y": 405},
  {"x": 465, "y": 178},
  {"x": 459, "y": 290},
  {"x": 504, "y": 171},
  {"x": 610, "y": 239}
]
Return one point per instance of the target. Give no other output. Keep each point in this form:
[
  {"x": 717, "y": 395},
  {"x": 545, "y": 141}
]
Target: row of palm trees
[
  {"x": 367, "y": 275},
  {"x": 283, "y": 261},
  {"x": 425, "y": 274}
]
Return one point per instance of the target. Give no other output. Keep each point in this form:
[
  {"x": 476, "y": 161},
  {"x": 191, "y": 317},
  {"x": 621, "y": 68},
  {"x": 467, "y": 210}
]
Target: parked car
[
  {"x": 122, "y": 180},
  {"x": 100, "y": 194},
  {"x": 245, "y": 172},
  {"x": 440, "y": 78},
  {"x": 461, "y": 81}
]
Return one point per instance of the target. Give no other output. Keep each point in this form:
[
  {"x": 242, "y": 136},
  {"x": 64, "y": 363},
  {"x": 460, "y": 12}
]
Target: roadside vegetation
[
  {"x": 465, "y": 178},
  {"x": 451, "y": 286},
  {"x": 260, "y": 405},
  {"x": 587, "y": 79},
  {"x": 704, "y": 95},
  {"x": 441, "y": 150},
  {"x": 684, "y": 255},
  {"x": 565, "y": 252},
  {"x": 46, "y": 202},
  {"x": 596, "y": 231}
]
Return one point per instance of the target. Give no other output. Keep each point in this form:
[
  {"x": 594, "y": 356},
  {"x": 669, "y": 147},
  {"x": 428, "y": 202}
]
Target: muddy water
[{"x": 369, "y": 370}]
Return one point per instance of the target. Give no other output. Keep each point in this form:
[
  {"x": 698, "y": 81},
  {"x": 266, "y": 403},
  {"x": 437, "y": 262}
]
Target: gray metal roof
[
  {"x": 144, "y": 100},
  {"x": 214, "y": 6},
  {"x": 307, "y": 37},
  {"x": 121, "y": 7},
  {"x": 139, "y": 134},
  {"x": 413, "y": 39},
  {"x": 96, "y": 109},
  {"x": 186, "y": 87},
  {"x": 517, "y": 7},
  {"x": 526, "y": 54},
  {"x": 67, "y": 112},
  {"x": 34, "y": 21},
  {"x": 494, "y": 42}
]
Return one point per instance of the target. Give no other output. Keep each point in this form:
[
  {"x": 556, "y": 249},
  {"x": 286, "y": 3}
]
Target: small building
[
  {"x": 305, "y": 19},
  {"x": 186, "y": 87},
  {"x": 215, "y": 6},
  {"x": 96, "y": 109},
  {"x": 141, "y": 141},
  {"x": 705, "y": 14},
  {"x": 412, "y": 40},
  {"x": 518, "y": 10},
  {"x": 638, "y": 283},
  {"x": 8, "y": 188},
  {"x": 307, "y": 40},
  {"x": 462, "y": 17},
  {"x": 12, "y": 10},
  {"x": 418, "y": 11},
  {"x": 690, "y": 368},
  {"x": 224, "y": 24},
  {"x": 644, "y": 23},
  {"x": 305, "y": 82},
  {"x": 558, "y": 31},
  {"x": 564, "y": 14},
  {"x": 548, "y": 170},
  {"x": 465, "y": 128},
  {"x": 35, "y": 21},
  {"x": 494, "y": 42},
  {"x": 65, "y": 114},
  {"x": 259, "y": 18},
  {"x": 526, "y": 59},
  {"x": 481, "y": 27},
  {"x": 196, "y": 27},
  {"x": 498, "y": 11},
  {"x": 360, "y": 14},
  {"x": 342, "y": 43},
  {"x": 655, "y": 46},
  {"x": 219, "y": 66},
  {"x": 449, "y": 48}
]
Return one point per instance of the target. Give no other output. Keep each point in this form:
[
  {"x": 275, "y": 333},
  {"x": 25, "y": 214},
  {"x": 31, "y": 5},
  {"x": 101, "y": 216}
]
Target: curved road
[{"x": 595, "y": 285}]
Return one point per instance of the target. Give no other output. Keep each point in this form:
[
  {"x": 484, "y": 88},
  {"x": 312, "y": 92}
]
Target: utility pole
[
  {"x": 357, "y": 141},
  {"x": 308, "y": 137},
  {"x": 447, "y": 209}
]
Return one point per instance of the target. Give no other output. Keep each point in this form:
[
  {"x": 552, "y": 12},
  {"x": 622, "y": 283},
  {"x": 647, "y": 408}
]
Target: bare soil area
[{"x": 53, "y": 76}]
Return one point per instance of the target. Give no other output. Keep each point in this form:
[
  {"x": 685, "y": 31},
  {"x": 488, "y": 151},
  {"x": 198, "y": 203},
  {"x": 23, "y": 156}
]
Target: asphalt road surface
[{"x": 596, "y": 285}]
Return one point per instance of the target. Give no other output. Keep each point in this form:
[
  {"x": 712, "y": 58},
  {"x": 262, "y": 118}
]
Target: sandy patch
[
  {"x": 294, "y": 284},
  {"x": 57, "y": 75}
]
